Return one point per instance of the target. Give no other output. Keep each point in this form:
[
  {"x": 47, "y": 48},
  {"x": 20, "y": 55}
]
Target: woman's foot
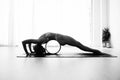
[{"x": 97, "y": 52}]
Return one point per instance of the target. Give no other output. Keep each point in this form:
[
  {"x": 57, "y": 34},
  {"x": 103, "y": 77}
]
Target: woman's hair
[{"x": 39, "y": 50}]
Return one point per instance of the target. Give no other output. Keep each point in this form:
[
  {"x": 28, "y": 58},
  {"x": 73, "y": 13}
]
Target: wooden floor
[{"x": 14, "y": 68}]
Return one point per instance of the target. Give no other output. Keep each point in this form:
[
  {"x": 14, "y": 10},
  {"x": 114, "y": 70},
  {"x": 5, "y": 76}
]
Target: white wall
[
  {"x": 115, "y": 22},
  {"x": 105, "y": 13},
  {"x": 23, "y": 10},
  {"x": 70, "y": 17},
  {"x": 4, "y": 21},
  {"x": 20, "y": 19},
  {"x": 96, "y": 23}
]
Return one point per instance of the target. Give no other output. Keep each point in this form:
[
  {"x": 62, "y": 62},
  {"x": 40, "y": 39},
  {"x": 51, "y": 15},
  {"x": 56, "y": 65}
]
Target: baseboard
[{"x": 5, "y": 45}]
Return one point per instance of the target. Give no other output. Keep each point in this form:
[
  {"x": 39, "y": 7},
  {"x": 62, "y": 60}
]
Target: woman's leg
[{"x": 72, "y": 42}]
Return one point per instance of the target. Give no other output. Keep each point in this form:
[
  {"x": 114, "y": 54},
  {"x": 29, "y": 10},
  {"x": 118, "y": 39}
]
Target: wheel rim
[{"x": 53, "y": 48}]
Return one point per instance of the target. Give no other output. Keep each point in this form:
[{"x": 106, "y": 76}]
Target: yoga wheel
[{"x": 53, "y": 47}]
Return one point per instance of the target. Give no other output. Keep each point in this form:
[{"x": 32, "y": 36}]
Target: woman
[{"x": 62, "y": 39}]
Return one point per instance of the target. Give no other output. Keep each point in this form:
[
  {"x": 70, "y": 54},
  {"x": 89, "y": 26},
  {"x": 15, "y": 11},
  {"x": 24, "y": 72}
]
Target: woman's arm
[
  {"x": 30, "y": 47},
  {"x": 29, "y": 42}
]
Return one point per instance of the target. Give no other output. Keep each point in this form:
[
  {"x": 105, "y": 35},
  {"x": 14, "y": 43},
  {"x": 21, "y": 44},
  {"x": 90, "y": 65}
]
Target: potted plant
[{"x": 106, "y": 38}]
